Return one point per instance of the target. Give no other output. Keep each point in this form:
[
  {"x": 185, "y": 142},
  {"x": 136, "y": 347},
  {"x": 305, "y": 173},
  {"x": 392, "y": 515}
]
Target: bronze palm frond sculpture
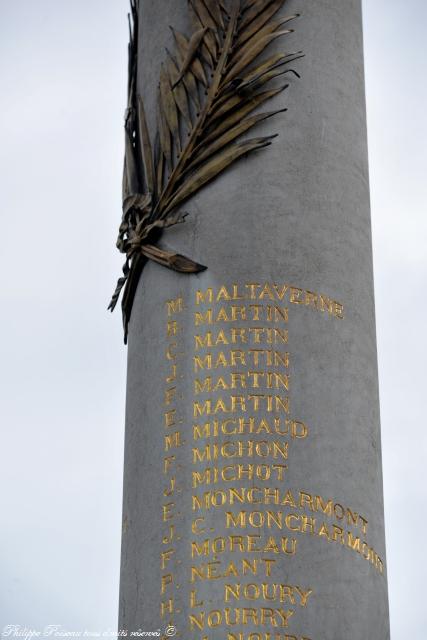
[{"x": 209, "y": 90}]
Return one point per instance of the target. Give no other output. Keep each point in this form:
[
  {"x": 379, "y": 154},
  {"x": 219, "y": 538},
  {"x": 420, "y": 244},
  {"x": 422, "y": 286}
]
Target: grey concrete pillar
[{"x": 253, "y": 502}]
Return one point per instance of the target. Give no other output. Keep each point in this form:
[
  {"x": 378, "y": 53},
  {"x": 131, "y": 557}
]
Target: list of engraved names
[{"x": 241, "y": 521}]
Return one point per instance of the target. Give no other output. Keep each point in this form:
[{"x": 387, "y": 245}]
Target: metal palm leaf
[{"x": 209, "y": 88}]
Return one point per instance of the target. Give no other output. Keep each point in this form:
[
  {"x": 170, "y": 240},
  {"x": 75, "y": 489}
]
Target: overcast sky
[{"x": 62, "y": 378}]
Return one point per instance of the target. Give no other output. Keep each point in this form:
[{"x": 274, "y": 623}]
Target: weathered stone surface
[{"x": 295, "y": 214}]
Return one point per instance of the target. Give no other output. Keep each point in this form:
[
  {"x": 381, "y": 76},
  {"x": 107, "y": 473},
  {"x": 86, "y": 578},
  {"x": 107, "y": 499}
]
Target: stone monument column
[{"x": 253, "y": 504}]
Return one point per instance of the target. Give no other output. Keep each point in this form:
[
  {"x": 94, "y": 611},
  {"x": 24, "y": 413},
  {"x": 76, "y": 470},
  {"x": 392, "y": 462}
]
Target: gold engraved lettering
[
  {"x": 172, "y": 377},
  {"x": 193, "y": 600},
  {"x": 234, "y": 404},
  {"x": 295, "y": 523},
  {"x": 167, "y": 463},
  {"x": 173, "y": 441},
  {"x": 271, "y": 292},
  {"x": 174, "y": 306},
  {"x": 232, "y": 473},
  {"x": 170, "y": 418},
  {"x": 252, "y": 313},
  {"x": 250, "y": 379},
  {"x": 241, "y": 449},
  {"x": 170, "y": 395},
  {"x": 263, "y": 616},
  {"x": 171, "y": 351},
  {"x": 167, "y": 580},
  {"x": 167, "y": 511},
  {"x": 171, "y": 490},
  {"x": 238, "y": 335},
  {"x": 169, "y": 538},
  {"x": 251, "y": 426},
  {"x": 196, "y": 528},
  {"x": 172, "y": 328},
  {"x": 217, "y": 570},
  {"x": 244, "y": 544},
  {"x": 236, "y": 357},
  {"x": 165, "y": 557},
  {"x": 292, "y": 595},
  {"x": 166, "y": 607}
]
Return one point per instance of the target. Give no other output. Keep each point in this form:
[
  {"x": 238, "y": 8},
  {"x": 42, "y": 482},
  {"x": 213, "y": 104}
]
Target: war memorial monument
[{"x": 253, "y": 504}]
